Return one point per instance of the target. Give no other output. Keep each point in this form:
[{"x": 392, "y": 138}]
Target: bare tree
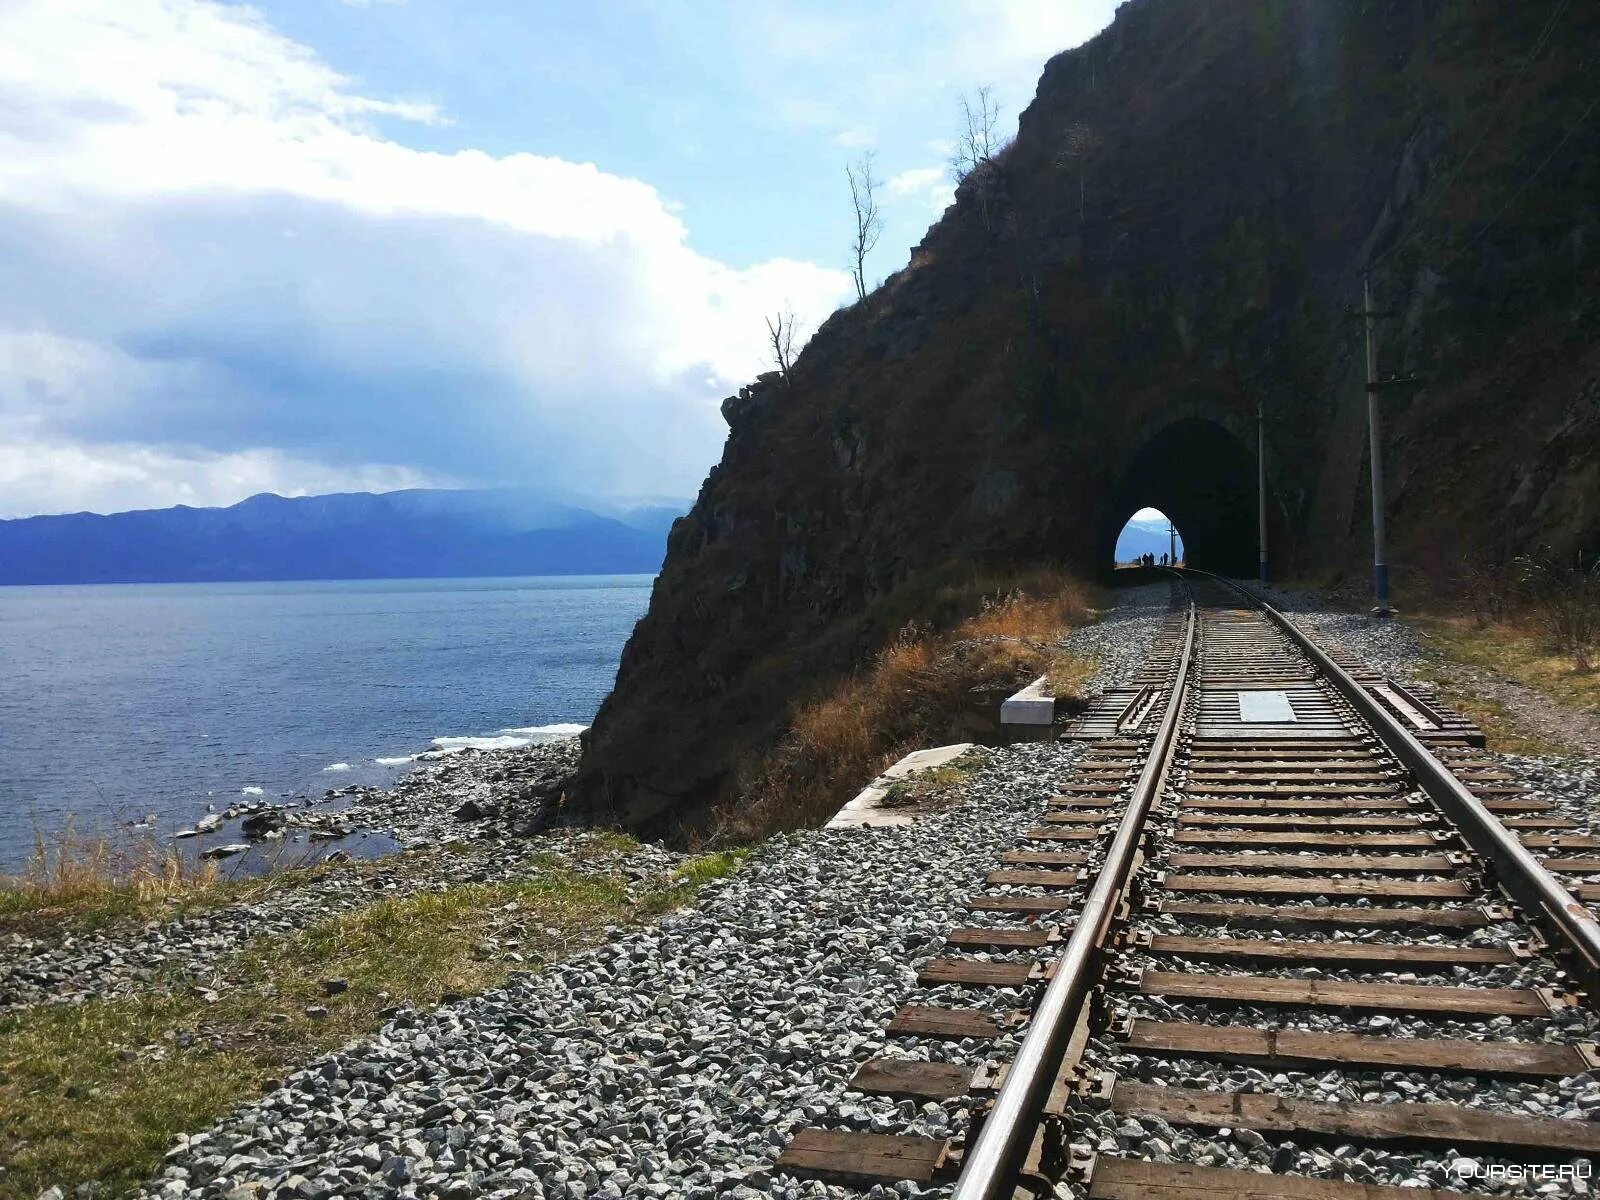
[
  {"x": 869, "y": 222},
  {"x": 979, "y": 139},
  {"x": 780, "y": 332},
  {"x": 1078, "y": 144}
]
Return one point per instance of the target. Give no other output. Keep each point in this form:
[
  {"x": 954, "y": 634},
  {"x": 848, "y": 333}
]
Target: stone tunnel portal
[{"x": 1203, "y": 477}]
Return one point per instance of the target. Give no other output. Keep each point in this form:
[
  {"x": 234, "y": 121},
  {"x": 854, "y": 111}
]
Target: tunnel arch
[{"x": 1202, "y": 475}]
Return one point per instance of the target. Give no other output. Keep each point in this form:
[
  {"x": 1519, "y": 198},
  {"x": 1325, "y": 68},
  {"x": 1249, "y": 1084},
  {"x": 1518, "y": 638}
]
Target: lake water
[{"x": 117, "y": 701}]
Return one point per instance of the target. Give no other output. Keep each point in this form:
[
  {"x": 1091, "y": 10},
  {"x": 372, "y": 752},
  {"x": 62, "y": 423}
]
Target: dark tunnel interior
[{"x": 1203, "y": 478}]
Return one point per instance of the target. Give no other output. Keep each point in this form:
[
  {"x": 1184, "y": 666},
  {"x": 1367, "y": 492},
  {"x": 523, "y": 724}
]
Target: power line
[
  {"x": 1522, "y": 187},
  {"x": 1488, "y": 125}
]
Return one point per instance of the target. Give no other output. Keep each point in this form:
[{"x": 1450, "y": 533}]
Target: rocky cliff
[{"x": 1175, "y": 237}]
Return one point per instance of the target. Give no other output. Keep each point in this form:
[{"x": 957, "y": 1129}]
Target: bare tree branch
[
  {"x": 978, "y": 140},
  {"x": 780, "y": 333},
  {"x": 1079, "y": 142},
  {"x": 869, "y": 222}
]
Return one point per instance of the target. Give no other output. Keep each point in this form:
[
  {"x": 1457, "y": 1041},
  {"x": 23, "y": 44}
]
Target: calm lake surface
[{"x": 117, "y": 701}]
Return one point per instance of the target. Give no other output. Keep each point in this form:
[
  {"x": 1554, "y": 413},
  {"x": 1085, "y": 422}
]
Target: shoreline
[
  {"x": 481, "y": 816},
  {"x": 252, "y": 834}
]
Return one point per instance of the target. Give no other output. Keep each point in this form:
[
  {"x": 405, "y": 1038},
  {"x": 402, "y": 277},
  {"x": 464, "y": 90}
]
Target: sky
[
  {"x": 321, "y": 245},
  {"x": 1146, "y": 532}
]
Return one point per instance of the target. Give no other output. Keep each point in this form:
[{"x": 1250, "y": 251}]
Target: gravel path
[{"x": 676, "y": 1060}]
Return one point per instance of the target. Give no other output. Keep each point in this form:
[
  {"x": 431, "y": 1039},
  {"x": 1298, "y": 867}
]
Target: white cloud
[
  {"x": 854, "y": 139},
  {"x": 1004, "y": 32},
  {"x": 931, "y": 185},
  {"x": 44, "y": 477},
  {"x": 228, "y": 268},
  {"x": 832, "y": 70}
]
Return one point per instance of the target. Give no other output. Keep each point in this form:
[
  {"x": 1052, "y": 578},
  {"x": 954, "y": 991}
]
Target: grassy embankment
[
  {"x": 961, "y": 644},
  {"x": 1536, "y": 622},
  {"x": 97, "y": 1091},
  {"x": 1510, "y": 649}
]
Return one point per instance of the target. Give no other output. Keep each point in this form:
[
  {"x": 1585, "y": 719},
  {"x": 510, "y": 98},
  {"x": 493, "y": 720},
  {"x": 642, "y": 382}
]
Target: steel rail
[
  {"x": 991, "y": 1164},
  {"x": 1522, "y": 875}
]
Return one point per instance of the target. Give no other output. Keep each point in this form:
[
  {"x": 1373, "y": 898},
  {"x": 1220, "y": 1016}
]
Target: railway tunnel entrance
[
  {"x": 1202, "y": 475},
  {"x": 1150, "y": 534}
]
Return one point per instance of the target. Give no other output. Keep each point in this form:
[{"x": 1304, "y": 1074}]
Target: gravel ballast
[{"x": 674, "y": 1061}]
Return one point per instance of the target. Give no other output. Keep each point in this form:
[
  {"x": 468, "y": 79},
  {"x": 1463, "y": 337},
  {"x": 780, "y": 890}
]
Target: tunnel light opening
[{"x": 1148, "y": 538}]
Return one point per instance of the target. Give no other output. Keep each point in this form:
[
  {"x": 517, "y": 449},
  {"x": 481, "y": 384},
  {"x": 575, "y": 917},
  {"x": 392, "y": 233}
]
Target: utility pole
[
  {"x": 1172, "y": 543},
  {"x": 1380, "y": 553},
  {"x": 1261, "y": 487}
]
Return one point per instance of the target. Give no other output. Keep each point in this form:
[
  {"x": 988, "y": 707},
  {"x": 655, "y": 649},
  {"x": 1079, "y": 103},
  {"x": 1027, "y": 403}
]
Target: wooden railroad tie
[
  {"x": 947, "y": 1024},
  {"x": 1307, "y": 840},
  {"x": 871, "y": 1157},
  {"x": 1132, "y": 1179},
  {"x": 1293, "y": 1049},
  {"x": 1296, "y": 885},
  {"x": 1411, "y": 954},
  {"x": 1256, "y": 821},
  {"x": 1310, "y": 805},
  {"x": 1450, "y": 1124},
  {"x": 1336, "y": 993},
  {"x": 1290, "y": 915},
  {"x": 1436, "y": 864},
  {"x": 984, "y": 972}
]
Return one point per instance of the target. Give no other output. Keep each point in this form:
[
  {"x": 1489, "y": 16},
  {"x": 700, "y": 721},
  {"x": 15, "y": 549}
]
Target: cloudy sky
[{"x": 317, "y": 245}]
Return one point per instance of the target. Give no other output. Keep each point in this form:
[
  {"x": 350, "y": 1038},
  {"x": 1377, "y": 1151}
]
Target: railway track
[{"x": 1285, "y": 932}]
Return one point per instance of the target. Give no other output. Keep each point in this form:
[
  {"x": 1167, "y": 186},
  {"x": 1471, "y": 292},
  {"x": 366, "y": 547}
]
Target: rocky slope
[{"x": 1175, "y": 237}]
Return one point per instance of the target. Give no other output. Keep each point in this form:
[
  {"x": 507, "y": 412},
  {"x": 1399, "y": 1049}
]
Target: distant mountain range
[
  {"x": 418, "y": 533},
  {"x": 1144, "y": 537}
]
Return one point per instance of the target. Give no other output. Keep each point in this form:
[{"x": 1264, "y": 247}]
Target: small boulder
[
  {"x": 227, "y": 851},
  {"x": 262, "y": 823}
]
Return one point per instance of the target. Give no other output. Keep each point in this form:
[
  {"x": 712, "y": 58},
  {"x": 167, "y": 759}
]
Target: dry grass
[
  {"x": 91, "y": 880},
  {"x": 97, "y": 1091},
  {"x": 1510, "y": 649},
  {"x": 72, "y": 873},
  {"x": 928, "y": 685},
  {"x": 1069, "y": 676},
  {"x": 933, "y": 787}
]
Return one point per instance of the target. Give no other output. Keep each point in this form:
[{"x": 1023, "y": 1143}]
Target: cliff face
[{"x": 1175, "y": 237}]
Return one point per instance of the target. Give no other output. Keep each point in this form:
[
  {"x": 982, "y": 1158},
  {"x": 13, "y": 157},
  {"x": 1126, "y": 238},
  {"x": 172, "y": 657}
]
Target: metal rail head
[
  {"x": 991, "y": 1164},
  {"x": 1523, "y": 876}
]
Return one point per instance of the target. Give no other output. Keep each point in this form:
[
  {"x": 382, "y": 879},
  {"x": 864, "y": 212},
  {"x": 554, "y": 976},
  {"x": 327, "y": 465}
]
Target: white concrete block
[
  {"x": 867, "y": 809},
  {"x": 1033, "y": 705}
]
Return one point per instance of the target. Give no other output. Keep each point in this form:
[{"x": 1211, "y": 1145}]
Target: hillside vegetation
[{"x": 929, "y": 686}]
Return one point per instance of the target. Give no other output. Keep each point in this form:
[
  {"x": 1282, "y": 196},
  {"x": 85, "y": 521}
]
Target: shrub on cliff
[{"x": 986, "y": 638}]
